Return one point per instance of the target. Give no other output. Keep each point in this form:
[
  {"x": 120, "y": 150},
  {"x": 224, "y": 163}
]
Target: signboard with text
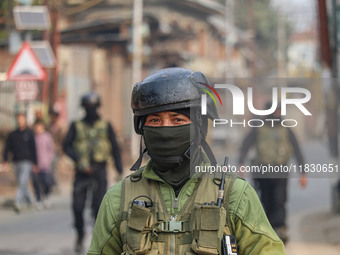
[{"x": 26, "y": 90}]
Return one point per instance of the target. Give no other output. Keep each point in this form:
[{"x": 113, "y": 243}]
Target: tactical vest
[
  {"x": 273, "y": 145},
  {"x": 91, "y": 142},
  {"x": 197, "y": 229}
]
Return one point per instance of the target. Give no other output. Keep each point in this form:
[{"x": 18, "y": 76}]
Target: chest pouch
[
  {"x": 141, "y": 228},
  {"x": 209, "y": 223}
]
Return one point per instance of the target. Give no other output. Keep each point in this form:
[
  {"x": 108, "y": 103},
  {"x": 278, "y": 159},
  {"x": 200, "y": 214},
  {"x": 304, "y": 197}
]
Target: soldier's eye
[
  {"x": 154, "y": 120},
  {"x": 179, "y": 119}
]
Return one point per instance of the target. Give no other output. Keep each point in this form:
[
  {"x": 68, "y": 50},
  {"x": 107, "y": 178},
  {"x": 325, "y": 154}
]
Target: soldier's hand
[
  {"x": 84, "y": 167},
  {"x": 88, "y": 171},
  {"x": 303, "y": 181}
]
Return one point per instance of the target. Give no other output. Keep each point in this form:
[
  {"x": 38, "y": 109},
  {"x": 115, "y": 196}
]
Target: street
[
  {"x": 312, "y": 228},
  {"x": 47, "y": 232}
]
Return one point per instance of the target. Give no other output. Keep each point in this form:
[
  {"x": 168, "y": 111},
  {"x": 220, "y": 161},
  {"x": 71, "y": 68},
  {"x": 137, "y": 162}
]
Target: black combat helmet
[
  {"x": 169, "y": 89},
  {"x": 173, "y": 89},
  {"x": 90, "y": 99}
]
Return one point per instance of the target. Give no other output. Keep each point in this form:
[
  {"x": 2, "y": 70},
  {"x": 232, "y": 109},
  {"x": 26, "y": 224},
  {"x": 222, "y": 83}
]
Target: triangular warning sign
[{"x": 26, "y": 66}]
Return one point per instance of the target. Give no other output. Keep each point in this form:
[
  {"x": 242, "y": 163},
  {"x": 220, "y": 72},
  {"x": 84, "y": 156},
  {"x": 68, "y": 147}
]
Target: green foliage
[
  {"x": 262, "y": 18},
  {"x": 6, "y": 17},
  {"x": 265, "y": 19},
  {"x": 3, "y": 34}
]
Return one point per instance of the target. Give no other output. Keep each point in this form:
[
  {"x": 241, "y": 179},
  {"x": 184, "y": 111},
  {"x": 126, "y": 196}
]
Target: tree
[
  {"x": 260, "y": 18},
  {"x": 6, "y": 18}
]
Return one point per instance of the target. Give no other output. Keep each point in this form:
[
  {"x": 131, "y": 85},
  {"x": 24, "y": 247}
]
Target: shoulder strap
[
  {"x": 227, "y": 191},
  {"x": 122, "y": 200},
  {"x": 78, "y": 124},
  {"x": 134, "y": 183},
  {"x": 137, "y": 175}
]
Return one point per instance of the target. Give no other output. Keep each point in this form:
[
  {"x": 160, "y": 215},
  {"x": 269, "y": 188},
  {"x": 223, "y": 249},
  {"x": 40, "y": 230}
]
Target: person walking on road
[
  {"x": 42, "y": 178},
  {"x": 165, "y": 207},
  {"x": 275, "y": 145},
  {"x": 20, "y": 144},
  {"x": 89, "y": 143}
]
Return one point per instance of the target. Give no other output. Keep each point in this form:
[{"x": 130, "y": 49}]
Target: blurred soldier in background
[
  {"x": 89, "y": 143},
  {"x": 275, "y": 145},
  {"x": 21, "y": 145}
]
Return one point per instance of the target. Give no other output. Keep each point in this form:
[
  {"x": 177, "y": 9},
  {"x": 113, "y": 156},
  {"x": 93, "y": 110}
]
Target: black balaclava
[
  {"x": 91, "y": 114},
  {"x": 173, "y": 150}
]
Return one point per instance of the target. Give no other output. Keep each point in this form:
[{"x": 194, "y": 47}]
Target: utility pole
[
  {"x": 324, "y": 36},
  {"x": 281, "y": 43},
  {"x": 55, "y": 44},
  {"x": 45, "y": 84},
  {"x": 281, "y": 39},
  {"x": 251, "y": 28},
  {"x": 334, "y": 49},
  {"x": 137, "y": 62},
  {"x": 229, "y": 42},
  {"x": 335, "y": 81},
  {"x": 50, "y": 86},
  {"x": 327, "y": 66}
]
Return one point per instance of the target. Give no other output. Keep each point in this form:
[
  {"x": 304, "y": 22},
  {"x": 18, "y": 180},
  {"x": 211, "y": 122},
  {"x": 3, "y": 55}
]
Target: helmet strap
[
  {"x": 209, "y": 152},
  {"x": 138, "y": 163},
  {"x": 203, "y": 142}
]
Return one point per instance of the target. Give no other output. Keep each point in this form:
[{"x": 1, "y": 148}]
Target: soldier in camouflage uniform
[
  {"x": 89, "y": 143},
  {"x": 161, "y": 208},
  {"x": 275, "y": 145}
]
